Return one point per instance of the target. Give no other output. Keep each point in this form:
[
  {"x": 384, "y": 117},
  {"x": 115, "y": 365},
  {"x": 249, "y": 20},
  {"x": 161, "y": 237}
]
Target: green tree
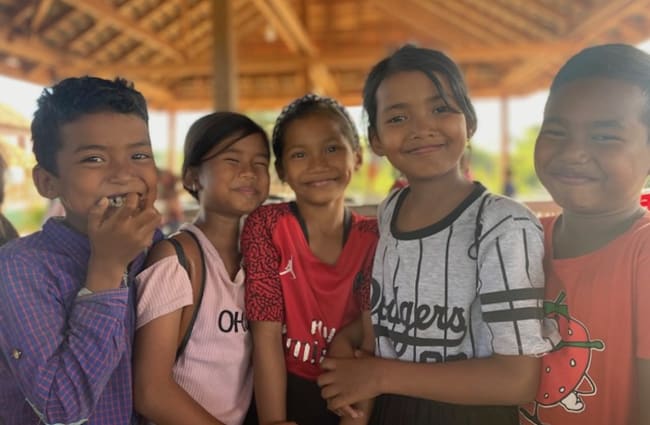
[{"x": 522, "y": 164}]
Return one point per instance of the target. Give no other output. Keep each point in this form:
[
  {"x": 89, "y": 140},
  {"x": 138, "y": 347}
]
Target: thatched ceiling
[{"x": 285, "y": 48}]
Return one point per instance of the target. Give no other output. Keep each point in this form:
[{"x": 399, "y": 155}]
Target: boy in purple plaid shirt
[{"x": 66, "y": 303}]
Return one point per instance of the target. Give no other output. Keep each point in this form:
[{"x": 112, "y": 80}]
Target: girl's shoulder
[
  {"x": 365, "y": 224},
  {"x": 269, "y": 212}
]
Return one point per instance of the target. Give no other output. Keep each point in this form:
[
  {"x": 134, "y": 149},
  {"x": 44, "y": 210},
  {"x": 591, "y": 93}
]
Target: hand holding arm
[{"x": 497, "y": 380}]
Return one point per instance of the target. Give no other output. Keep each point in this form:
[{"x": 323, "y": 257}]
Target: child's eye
[
  {"x": 552, "y": 133},
  {"x": 331, "y": 148},
  {"x": 605, "y": 138},
  {"x": 141, "y": 156},
  {"x": 231, "y": 160},
  {"x": 93, "y": 159},
  {"x": 441, "y": 109},
  {"x": 297, "y": 155},
  {"x": 264, "y": 164},
  {"x": 396, "y": 119}
]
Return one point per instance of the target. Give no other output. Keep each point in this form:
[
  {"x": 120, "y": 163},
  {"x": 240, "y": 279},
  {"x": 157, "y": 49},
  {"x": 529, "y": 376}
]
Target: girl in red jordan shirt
[{"x": 308, "y": 263}]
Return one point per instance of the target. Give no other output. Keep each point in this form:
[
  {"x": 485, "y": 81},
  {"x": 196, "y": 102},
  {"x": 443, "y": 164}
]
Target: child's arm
[
  {"x": 155, "y": 393},
  {"x": 270, "y": 373},
  {"x": 350, "y": 338},
  {"x": 163, "y": 291},
  {"x": 355, "y": 336},
  {"x": 265, "y": 312},
  {"x": 643, "y": 366},
  {"x": 62, "y": 357},
  {"x": 498, "y": 380}
]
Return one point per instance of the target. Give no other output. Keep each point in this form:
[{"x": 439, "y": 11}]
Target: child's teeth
[{"x": 116, "y": 201}]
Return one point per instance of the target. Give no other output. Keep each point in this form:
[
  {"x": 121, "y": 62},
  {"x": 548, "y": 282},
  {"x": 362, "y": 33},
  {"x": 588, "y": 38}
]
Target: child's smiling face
[
  {"x": 318, "y": 160},
  {"x": 419, "y": 132},
  {"x": 234, "y": 180},
  {"x": 103, "y": 154},
  {"x": 593, "y": 153}
]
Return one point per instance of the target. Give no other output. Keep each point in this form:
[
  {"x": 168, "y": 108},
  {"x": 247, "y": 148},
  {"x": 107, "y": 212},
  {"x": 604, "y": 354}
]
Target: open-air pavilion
[{"x": 260, "y": 54}]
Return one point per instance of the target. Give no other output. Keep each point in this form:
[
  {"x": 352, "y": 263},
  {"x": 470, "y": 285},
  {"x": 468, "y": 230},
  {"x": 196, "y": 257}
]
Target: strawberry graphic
[{"x": 564, "y": 370}]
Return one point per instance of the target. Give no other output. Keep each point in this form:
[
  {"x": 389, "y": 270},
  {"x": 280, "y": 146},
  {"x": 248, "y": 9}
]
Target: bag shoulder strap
[{"x": 193, "y": 261}]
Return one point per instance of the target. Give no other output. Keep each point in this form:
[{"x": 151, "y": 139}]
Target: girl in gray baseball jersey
[{"x": 457, "y": 279}]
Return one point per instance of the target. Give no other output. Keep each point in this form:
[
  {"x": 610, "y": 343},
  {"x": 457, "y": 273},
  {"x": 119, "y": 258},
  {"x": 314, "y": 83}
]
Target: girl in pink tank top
[{"x": 225, "y": 169}]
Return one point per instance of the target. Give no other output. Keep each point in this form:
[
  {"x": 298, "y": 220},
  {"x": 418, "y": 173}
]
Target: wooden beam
[
  {"x": 102, "y": 12},
  {"x": 459, "y": 21},
  {"x": 359, "y": 58},
  {"x": 66, "y": 65},
  {"x": 604, "y": 17},
  {"x": 289, "y": 18},
  {"x": 438, "y": 31},
  {"x": 267, "y": 11},
  {"x": 470, "y": 18},
  {"x": 601, "y": 20},
  {"x": 143, "y": 20},
  {"x": 224, "y": 83},
  {"x": 39, "y": 15},
  {"x": 24, "y": 12},
  {"x": 502, "y": 13},
  {"x": 250, "y": 26},
  {"x": 286, "y": 23}
]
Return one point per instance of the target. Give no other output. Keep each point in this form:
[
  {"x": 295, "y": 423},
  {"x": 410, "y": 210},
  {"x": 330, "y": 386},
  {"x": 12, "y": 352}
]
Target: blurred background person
[{"x": 7, "y": 230}]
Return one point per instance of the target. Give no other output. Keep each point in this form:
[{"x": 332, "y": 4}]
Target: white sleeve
[{"x": 511, "y": 279}]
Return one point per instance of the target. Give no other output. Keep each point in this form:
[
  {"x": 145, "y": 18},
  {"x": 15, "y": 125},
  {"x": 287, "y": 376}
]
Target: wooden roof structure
[{"x": 284, "y": 48}]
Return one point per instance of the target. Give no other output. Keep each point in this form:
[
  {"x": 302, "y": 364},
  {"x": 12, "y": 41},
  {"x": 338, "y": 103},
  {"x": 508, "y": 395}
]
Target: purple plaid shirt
[{"x": 65, "y": 359}]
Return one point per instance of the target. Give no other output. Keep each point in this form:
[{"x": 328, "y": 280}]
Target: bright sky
[{"x": 524, "y": 112}]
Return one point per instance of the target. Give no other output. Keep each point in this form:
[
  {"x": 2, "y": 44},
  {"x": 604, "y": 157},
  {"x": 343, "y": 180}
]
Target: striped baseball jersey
[{"x": 465, "y": 287}]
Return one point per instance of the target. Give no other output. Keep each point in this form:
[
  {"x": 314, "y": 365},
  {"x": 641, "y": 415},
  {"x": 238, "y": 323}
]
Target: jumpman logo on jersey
[{"x": 288, "y": 269}]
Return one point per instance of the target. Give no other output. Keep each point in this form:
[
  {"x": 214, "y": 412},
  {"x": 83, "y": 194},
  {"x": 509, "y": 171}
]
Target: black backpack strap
[
  {"x": 197, "y": 298},
  {"x": 180, "y": 253}
]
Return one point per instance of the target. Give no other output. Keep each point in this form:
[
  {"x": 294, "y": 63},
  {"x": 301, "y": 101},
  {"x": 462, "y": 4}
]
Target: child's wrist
[{"x": 104, "y": 275}]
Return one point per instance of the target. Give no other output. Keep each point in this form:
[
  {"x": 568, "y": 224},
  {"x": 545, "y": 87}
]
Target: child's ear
[
  {"x": 46, "y": 183},
  {"x": 358, "y": 159},
  {"x": 375, "y": 143},
  {"x": 191, "y": 179}
]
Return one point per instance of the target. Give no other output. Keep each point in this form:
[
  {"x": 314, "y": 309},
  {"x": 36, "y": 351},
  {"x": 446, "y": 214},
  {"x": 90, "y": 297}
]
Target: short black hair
[
  {"x": 73, "y": 98},
  {"x": 429, "y": 62},
  {"x": 615, "y": 61},
  {"x": 308, "y": 105},
  {"x": 210, "y": 131}
]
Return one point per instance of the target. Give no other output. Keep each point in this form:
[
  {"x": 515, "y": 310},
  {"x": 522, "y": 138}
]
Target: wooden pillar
[
  {"x": 224, "y": 59},
  {"x": 505, "y": 140},
  {"x": 171, "y": 140}
]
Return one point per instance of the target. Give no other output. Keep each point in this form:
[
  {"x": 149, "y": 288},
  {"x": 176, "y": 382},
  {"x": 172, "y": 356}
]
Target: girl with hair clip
[
  {"x": 457, "y": 279},
  {"x": 308, "y": 262},
  {"x": 208, "y": 379}
]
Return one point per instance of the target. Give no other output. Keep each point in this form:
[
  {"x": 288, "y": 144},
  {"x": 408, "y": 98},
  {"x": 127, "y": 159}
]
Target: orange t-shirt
[{"x": 598, "y": 302}]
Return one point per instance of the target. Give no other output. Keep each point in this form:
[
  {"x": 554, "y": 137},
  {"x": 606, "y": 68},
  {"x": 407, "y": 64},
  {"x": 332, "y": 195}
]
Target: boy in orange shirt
[{"x": 593, "y": 156}]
